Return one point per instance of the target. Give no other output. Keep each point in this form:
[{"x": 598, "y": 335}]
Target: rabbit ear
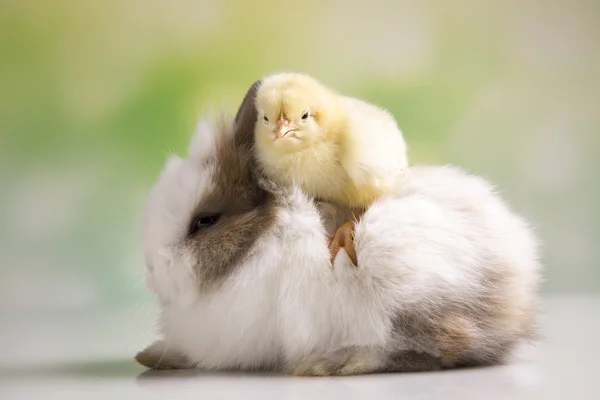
[
  {"x": 209, "y": 131},
  {"x": 248, "y": 102},
  {"x": 245, "y": 119}
]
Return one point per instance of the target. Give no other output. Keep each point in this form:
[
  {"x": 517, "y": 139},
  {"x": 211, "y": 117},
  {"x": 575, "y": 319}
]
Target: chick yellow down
[{"x": 337, "y": 149}]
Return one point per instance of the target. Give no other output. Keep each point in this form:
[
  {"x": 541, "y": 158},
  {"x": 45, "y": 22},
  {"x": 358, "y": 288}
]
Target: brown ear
[{"x": 245, "y": 119}]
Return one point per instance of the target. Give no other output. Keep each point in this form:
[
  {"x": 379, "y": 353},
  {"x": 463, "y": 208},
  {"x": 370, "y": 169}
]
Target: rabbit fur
[{"x": 447, "y": 274}]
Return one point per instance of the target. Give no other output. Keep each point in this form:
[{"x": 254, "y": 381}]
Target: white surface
[{"x": 90, "y": 357}]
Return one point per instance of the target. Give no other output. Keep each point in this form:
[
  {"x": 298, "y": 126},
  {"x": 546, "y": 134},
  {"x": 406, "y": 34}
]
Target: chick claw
[{"x": 343, "y": 239}]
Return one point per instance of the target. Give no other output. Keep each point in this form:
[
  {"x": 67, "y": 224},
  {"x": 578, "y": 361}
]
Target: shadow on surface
[
  {"x": 153, "y": 375},
  {"x": 178, "y": 374},
  {"x": 130, "y": 369},
  {"x": 93, "y": 369},
  {"x": 500, "y": 382}
]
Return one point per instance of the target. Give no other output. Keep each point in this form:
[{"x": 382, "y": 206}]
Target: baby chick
[{"x": 337, "y": 149}]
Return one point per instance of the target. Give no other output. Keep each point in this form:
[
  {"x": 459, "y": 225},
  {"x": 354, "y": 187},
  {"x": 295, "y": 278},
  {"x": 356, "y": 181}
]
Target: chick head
[{"x": 292, "y": 111}]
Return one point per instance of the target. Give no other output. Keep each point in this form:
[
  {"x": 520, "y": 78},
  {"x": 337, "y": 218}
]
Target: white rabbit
[{"x": 446, "y": 276}]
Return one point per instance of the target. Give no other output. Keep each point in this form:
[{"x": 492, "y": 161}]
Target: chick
[{"x": 336, "y": 148}]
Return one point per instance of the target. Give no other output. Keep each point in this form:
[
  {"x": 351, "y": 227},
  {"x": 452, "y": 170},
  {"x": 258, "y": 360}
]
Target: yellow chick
[{"x": 338, "y": 149}]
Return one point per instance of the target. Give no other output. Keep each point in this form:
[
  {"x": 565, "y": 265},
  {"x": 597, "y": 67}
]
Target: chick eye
[
  {"x": 305, "y": 115},
  {"x": 203, "y": 222},
  {"x": 265, "y": 118}
]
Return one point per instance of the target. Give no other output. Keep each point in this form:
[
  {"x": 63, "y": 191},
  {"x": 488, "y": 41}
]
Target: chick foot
[{"x": 344, "y": 239}]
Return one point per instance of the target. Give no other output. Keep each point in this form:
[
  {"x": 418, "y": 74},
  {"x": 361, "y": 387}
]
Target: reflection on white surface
[{"x": 89, "y": 357}]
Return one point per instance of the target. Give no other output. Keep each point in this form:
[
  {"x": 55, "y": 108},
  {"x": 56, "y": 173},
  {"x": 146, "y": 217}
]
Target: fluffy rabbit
[{"x": 446, "y": 276}]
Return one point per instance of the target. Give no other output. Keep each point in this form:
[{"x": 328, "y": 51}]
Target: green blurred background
[{"x": 93, "y": 95}]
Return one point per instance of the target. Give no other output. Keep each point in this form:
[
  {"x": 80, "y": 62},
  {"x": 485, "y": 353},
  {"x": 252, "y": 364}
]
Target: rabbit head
[{"x": 205, "y": 212}]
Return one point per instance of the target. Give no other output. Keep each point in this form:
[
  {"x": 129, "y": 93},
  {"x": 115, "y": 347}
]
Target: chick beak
[{"x": 282, "y": 128}]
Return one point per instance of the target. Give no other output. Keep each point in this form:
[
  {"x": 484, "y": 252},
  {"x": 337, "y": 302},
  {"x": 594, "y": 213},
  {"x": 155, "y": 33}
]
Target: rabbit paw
[
  {"x": 344, "y": 239},
  {"x": 360, "y": 361},
  {"x": 349, "y": 361},
  {"x": 316, "y": 369},
  {"x": 325, "y": 368},
  {"x": 157, "y": 356}
]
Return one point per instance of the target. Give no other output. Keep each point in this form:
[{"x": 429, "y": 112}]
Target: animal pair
[{"x": 337, "y": 149}]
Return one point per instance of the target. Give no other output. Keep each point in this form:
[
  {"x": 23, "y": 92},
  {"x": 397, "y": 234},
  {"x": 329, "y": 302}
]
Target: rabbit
[{"x": 446, "y": 274}]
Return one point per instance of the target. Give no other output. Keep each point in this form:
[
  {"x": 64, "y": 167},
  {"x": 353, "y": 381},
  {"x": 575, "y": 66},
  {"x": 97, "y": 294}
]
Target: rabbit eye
[{"x": 203, "y": 222}]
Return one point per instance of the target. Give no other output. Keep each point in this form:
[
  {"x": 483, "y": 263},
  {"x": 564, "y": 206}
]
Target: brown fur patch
[
  {"x": 246, "y": 211},
  {"x": 508, "y": 318},
  {"x": 482, "y": 328},
  {"x": 454, "y": 339},
  {"x": 442, "y": 332},
  {"x": 412, "y": 361},
  {"x": 480, "y": 331}
]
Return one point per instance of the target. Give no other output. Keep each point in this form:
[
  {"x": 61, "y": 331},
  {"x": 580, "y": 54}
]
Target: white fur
[{"x": 287, "y": 302}]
